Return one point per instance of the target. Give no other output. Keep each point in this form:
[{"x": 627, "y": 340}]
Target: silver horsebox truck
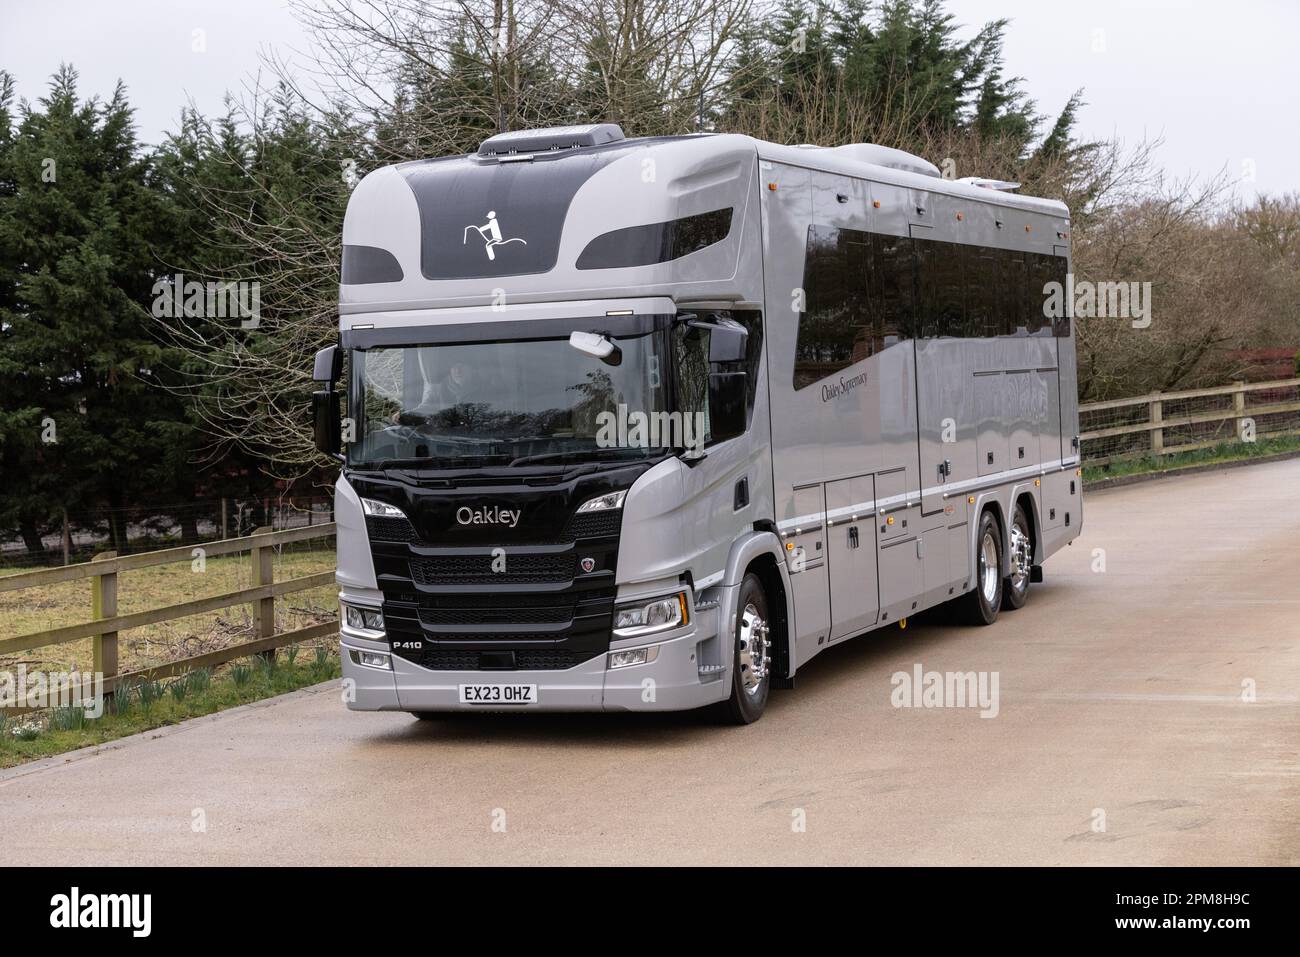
[{"x": 646, "y": 424}]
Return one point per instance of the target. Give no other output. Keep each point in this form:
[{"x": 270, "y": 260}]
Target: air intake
[{"x": 549, "y": 139}]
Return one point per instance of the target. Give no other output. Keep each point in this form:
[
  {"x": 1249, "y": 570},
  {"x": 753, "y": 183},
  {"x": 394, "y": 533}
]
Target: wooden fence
[
  {"x": 105, "y": 623},
  {"x": 1167, "y": 423}
]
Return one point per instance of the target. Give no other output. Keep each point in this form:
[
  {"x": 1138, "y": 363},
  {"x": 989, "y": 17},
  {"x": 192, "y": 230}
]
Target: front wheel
[
  {"x": 751, "y": 665},
  {"x": 980, "y": 605}
]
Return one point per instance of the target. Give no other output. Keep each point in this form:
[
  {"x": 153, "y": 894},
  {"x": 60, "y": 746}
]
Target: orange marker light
[
  {"x": 890, "y": 520},
  {"x": 970, "y": 499},
  {"x": 1029, "y": 229},
  {"x": 875, "y": 203},
  {"x": 772, "y": 187},
  {"x": 959, "y": 217},
  {"x": 1037, "y": 483}
]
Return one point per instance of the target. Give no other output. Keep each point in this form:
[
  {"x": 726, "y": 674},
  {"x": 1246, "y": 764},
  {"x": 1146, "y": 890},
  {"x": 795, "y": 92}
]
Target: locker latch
[{"x": 853, "y": 536}]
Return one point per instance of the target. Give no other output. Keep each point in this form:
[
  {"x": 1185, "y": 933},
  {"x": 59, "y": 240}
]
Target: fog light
[
  {"x": 633, "y": 656},
  {"x": 372, "y": 659}
]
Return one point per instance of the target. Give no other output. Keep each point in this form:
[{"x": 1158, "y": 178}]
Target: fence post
[
  {"x": 1157, "y": 434},
  {"x": 263, "y": 574},
  {"x": 224, "y": 516},
  {"x": 103, "y": 604},
  {"x": 1239, "y": 406},
  {"x": 67, "y": 539}
]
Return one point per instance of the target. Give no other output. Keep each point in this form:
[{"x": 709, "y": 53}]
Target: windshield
[{"x": 495, "y": 403}]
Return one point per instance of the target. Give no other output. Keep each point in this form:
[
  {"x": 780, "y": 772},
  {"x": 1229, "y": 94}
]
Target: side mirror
[
  {"x": 728, "y": 339},
  {"x": 326, "y": 412},
  {"x": 597, "y": 346},
  {"x": 329, "y": 365},
  {"x": 727, "y": 395},
  {"x": 727, "y": 342}
]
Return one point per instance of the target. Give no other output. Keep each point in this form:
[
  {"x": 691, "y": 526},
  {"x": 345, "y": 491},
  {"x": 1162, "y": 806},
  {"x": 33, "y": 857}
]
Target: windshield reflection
[{"x": 493, "y": 403}]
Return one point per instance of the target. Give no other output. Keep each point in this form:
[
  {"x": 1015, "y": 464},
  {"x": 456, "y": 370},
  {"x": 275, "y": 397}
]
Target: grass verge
[
  {"x": 157, "y": 704},
  {"x": 44, "y": 607},
  {"x": 1227, "y": 452}
]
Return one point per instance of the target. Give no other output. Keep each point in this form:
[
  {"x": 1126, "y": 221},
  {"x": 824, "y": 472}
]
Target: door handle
[{"x": 853, "y": 536}]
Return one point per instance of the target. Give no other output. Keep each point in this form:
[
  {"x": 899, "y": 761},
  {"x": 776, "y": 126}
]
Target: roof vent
[
  {"x": 550, "y": 138},
  {"x": 888, "y": 156},
  {"x": 1000, "y": 184}
]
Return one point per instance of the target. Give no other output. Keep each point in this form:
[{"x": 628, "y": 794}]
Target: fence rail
[
  {"x": 106, "y": 624},
  {"x": 1167, "y": 423}
]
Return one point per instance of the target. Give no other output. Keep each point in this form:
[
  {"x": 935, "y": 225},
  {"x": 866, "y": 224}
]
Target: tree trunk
[
  {"x": 117, "y": 530},
  {"x": 32, "y": 537}
]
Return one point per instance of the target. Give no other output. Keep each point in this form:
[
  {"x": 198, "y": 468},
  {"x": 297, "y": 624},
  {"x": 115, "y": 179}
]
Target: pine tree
[{"x": 85, "y": 418}]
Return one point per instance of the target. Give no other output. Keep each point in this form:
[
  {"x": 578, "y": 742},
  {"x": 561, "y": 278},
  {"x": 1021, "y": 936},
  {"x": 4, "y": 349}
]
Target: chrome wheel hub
[
  {"x": 755, "y": 657},
  {"x": 1021, "y": 560},
  {"x": 988, "y": 571}
]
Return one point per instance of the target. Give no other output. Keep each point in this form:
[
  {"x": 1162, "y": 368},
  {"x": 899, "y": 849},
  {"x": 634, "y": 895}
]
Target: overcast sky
[{"x": 1220, "y": 82}]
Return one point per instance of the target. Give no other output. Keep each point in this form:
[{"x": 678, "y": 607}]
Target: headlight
[
  {"x": 358, "y": 618},
  {"x": 381, "y": 509},
  {"x": 646, "y": 618},
  {"x": 603, "y": 503}
]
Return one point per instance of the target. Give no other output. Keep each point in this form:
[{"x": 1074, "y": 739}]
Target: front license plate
[{"x": 498, "y": 694}]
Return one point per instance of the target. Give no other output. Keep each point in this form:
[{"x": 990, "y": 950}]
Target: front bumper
[{"x": 671, "y": 682}]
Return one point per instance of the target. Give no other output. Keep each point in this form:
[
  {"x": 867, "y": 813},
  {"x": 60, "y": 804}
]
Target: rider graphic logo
[{"x": 491, "y": 233}]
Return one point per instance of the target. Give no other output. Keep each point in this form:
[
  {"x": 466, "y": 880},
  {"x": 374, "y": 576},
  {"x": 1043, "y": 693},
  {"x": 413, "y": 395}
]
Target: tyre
[
  {"x": 980, "y": 605},
  {"x": 1020, "y": 556},
  {"x": 751, "y": 664}
]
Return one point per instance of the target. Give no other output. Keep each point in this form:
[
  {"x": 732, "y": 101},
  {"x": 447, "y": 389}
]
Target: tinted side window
[
  {"x": 892, "y": 289},
  {"x": 1041, "y": 272},
  {"x": 1059, "y": 271},
  {"x": 833, "y": 328},
  {"x": 753, "y": 322},
  {"x": 950, "y": 306},
  {"x": 691, "y": 355},
  {"x": 369, "y": 264},
  {"x": 984, "y": 316},
  {"x": 1018, "y": 315},
  {"x": 656, "y": 242},
  {"x": 940, "y": 281}
]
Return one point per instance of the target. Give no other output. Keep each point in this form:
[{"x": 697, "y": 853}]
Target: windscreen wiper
[
  {"x": 570, "y": 454},
  {"x": 407, "y": 463}
]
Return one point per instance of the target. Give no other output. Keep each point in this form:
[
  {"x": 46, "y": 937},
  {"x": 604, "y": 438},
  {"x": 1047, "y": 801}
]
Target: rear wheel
[
  {"x": 1015, "y": 588},
  {"x": 751, "y": 666},
  {"x": 980, "y": 605}
]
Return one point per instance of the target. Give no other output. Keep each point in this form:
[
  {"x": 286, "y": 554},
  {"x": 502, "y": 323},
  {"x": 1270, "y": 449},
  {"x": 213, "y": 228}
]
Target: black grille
[
  {"x": 548, "y": 660},
  {"x": 595, "y": 524},
  {"x": 473, "y": 636},
  {"x": 498, "y": 616},
  {"x": 477, "y": 569},
  {"x": 450, "y": 660},
  {"x": 476, "y": 601},
  {"x": 440, "y": 660},
  {"x": 588, "y": 525},
  {"x": 390, "y": 530}
]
